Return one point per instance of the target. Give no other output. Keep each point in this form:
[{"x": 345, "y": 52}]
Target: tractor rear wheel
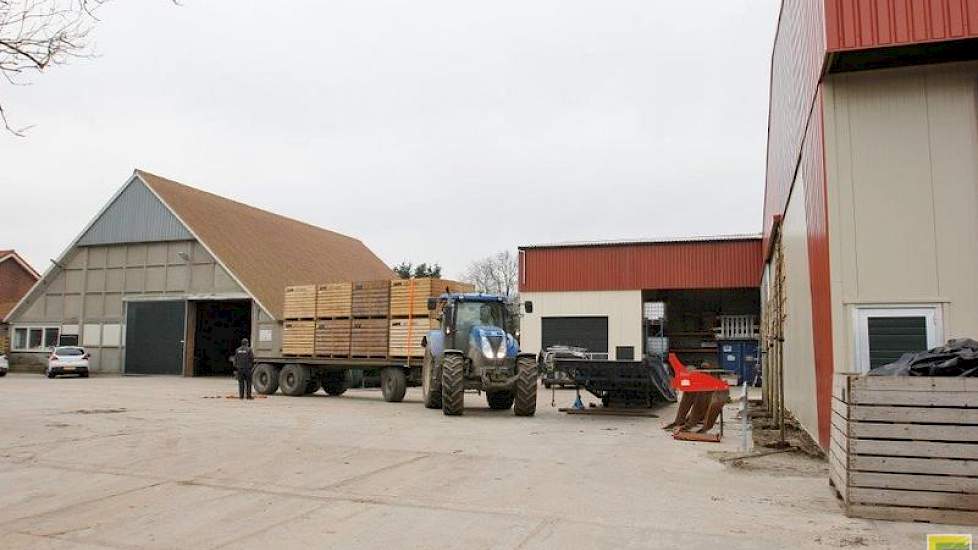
[
  {"x": 293, "y": 380},
  {"x": 393, "y": 384},
  {"x": 500, "y": 400},
  {"x": 526, "y": 387},
  {"x": 452, "y": 384},
  {"x": 265, "y": 379},
  {"x": 430, "y": 384}
]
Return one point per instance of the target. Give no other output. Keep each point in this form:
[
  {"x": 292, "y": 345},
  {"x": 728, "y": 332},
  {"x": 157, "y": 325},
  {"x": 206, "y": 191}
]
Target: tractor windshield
[{"x": 470, "y": 314}]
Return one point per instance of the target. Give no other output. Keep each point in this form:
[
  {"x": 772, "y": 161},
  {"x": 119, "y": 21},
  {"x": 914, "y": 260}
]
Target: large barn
[{"x": 166, "y": 279}]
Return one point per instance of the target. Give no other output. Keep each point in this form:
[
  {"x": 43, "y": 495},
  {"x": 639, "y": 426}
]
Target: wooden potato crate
[
  {"x": 334, "y": 300},
  {"x": 371, "y": 298},
  {"x": 298, "y": 337},
  {"x": 300, "y": 302},
  {"x": 406, "y": 334},
  {"x": 333, "y": 337},
  {"x": 369, "y": 338},
  {"x": 905, "y": 447},
  {"x": 409, "y": 297}
]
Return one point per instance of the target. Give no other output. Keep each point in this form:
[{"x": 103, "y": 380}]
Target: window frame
[
  {"x": 933, "y": 321},
  {"x": 29, "y": 329}
]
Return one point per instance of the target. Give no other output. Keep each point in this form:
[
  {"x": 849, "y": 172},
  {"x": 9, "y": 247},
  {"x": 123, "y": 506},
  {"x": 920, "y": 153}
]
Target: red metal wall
[
  {"x": 651, "y": 266},
  {"x": 862, "y": 24},
  {"x": 812, "y": 167}
]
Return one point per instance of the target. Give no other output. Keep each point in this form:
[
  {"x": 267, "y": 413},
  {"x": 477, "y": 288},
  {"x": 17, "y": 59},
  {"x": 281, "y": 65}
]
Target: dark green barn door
[{"x": 154, "y": 337}]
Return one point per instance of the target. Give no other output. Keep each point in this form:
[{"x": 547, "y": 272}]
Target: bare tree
[
  {"x": 38, "y": 34},
  {"x": 495, "y": 274}
]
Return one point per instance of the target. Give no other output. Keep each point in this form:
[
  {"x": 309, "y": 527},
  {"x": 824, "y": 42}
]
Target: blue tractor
[{"x": 474, "y": 349}]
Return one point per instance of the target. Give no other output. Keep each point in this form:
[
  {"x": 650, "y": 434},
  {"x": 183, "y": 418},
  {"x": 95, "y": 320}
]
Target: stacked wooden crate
[
  {"x": 905, "y": 447},
  {"x": 371, "y": 305},
  {"x": 333, "y": 324},
  {"x": 299, "y": 328},
  {"x": 410, "y": 319}
]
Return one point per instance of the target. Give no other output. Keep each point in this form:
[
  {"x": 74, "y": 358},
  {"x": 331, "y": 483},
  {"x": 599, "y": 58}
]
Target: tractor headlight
[{"x": 487, "y": 348}]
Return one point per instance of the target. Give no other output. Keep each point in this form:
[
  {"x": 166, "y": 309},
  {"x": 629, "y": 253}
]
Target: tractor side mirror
[
  {"x": 528, "y": 306},
  {"x": 432, "y": 304}
]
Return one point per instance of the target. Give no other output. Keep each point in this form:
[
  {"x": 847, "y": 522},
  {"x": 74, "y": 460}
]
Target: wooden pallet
[
  {"x": 371, "y": 298},
  {"x": 298, "y": 337},
  {"x": 405, "y": 336},
  {"x": 300, "y": 302},
  {"x": 906, "y": 448},
  {"x": 368, "y": 338},
  {"x": 333, "y": 337},
  {"x": 409, "y": 297},
  {"x": 334, "y": 300}
]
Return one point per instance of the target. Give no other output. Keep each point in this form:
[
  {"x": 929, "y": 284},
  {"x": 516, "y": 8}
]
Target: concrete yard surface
[{"x": 168, "y": 462}]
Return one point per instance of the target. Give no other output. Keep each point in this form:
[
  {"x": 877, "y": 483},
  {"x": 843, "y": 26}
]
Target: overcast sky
[{"x": 433, "y": 131}]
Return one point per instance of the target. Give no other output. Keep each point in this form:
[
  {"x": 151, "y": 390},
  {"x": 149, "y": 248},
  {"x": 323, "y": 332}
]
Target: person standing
[{"x": 244, "y": 361}]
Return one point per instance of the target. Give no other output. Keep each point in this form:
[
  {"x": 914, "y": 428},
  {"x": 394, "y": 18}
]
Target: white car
[
  {"x": 68, "y": 360},
  {"x": 4, "y": 365}
]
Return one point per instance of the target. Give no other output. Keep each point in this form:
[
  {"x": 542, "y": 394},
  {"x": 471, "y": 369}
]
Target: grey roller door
[
  {"x": 583, "y": 332},
  {"x": 154, "y": 337}
]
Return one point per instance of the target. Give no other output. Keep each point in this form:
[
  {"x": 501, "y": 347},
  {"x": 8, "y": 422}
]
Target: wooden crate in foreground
[
  {"x": 333, "y": 337},
  {"x": 906, "y": 448},
  {"x": 334, "y": 300},
  {"x": 406, "y": 334}
]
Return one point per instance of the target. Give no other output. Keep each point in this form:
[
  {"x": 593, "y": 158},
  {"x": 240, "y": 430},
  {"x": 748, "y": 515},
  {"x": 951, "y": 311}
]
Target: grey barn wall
[{"x": 96, "y": 281}]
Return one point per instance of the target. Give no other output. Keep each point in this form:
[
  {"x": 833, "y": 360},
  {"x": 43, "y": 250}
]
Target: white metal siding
[{"x": 623, "y": 309}]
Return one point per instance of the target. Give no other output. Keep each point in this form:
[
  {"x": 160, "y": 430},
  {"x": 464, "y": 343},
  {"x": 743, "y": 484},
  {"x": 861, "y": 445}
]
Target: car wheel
[{"x": 51, "y": 375}]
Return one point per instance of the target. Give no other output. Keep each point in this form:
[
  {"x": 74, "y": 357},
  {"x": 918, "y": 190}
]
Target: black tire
[
  {"x": 500, "y": 400},
  {"x": 3, "y": 373},
  {"x": 335, "y": 383},
  {"x": 393, "y": 384},
  {"x": 265, "y": 379},
  {"x": 51, "y": 375},
  {"x": 547, "y": 385},
  {"x": 452, "y": 384},
  {"x": 293, "y": 380},
  {"x": 525, "y": 403},
  {"x": 430, "y": 383},
  {"x": 312, "y": 386},
  {"x": 84, "y": 375}
]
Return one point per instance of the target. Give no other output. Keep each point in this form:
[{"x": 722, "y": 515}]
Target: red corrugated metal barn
[{"x": 629, "y": 298}]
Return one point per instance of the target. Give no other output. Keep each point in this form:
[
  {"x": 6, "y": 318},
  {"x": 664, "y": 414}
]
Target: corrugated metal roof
[
  {"x": 644, "y": 265},
  {"x": 659, "y": 240}
]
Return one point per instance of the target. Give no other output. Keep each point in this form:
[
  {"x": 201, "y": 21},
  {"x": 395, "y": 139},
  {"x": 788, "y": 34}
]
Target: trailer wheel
[
  {"x": 500, "y": 400},
  {"x": 430, "y": 382},
  {"x": 293, "y": 380},
  {"x": 265, "y": 379},
  {"x": 393, "y": 384},
  {"x": 452, "y": 384},
  {"x": 335, "y": 383},
  {"x": 312, "y": 386},
  {"x": 526, "y": 387}
]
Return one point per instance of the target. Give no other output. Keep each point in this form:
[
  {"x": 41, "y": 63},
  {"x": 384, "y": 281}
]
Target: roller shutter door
[{"x": 584, "y": 332}]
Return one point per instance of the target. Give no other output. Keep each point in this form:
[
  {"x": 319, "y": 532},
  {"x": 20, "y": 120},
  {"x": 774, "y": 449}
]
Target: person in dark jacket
[{"x": 244, "y": 361}]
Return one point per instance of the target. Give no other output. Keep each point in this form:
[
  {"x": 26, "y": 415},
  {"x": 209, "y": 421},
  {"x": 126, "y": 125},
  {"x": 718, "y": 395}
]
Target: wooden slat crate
[
  {"x": 405, "y": 336},
  {"x": 333, "y": 337},
  {"x": 298, "y": 337},
  {"x": 905, "y": 447},
  {"x": 300, "y": 302},
  {"x": 369, "y": 338},
  {"x": 409, "y": 297},
  {"x": 371, "y": 298},
  {"x": 334, "y": 300}
]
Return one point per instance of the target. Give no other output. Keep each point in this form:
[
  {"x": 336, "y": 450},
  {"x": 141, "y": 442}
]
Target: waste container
[{"x": 739, "y": 357}]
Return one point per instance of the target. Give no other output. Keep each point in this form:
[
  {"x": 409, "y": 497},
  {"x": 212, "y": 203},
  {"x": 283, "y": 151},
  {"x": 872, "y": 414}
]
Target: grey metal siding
[{"x": 136, "y": 216}]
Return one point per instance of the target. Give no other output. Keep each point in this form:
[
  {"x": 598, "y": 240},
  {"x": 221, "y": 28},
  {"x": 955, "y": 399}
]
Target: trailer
[{"x": 297, "y": 376}]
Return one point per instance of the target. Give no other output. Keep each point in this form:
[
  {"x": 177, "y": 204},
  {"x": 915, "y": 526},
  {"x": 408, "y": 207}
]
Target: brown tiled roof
[
  {"x": 265, "y": 251},
  {"x": 13, "y": 253},
  {"x": 5, "y": 308}
]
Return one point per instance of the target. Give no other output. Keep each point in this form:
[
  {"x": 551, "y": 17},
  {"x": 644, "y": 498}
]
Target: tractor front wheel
[
  {"x": 452, "y": 384},
  {"x": 526, "y": 387}
]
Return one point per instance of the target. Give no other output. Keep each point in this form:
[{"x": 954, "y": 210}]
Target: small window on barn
[
  {"x": 884, "y": 334},
  {"x": 625, "y": 353}
]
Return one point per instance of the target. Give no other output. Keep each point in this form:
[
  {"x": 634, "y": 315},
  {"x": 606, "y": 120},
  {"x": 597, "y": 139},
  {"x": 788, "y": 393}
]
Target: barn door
[{"x": 155, "y": 337}]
